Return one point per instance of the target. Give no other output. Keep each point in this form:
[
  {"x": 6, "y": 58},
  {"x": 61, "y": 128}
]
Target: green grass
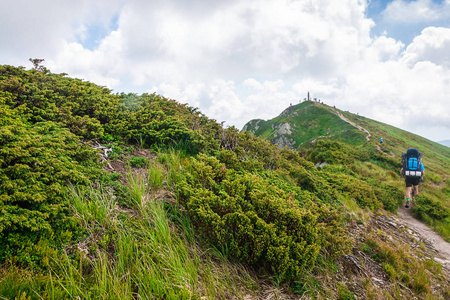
[
  {"x": 144, "y": 251},
  {"x": 309, "y": 121}
]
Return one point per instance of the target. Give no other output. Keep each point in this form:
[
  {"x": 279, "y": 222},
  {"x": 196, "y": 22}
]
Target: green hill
[
  {"x": 126, "y": 196},
  {"x": 309, "y": 121},
  {"x": 302, "y": 123}
]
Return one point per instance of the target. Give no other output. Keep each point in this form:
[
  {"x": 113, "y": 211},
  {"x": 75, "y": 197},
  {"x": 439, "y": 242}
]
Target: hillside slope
[
  {"x": 310, "y": 121},
  {"x": 299, "y": 124},
  {"x": 138, "y": 196}
]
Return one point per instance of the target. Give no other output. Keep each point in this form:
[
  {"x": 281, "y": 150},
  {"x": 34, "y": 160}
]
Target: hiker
[
  {"x": 413, "y": 170},
  {"x": 381, "y": 140}
]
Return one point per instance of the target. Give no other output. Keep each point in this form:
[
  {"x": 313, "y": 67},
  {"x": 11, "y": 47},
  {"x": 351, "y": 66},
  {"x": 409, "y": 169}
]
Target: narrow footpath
[
  {"x": 353, "y": 124},
  {"x": 442, "y": 247}
]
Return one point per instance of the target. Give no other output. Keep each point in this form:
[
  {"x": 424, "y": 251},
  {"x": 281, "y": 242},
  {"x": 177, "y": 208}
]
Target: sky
[{"x": 238, "y": 60}]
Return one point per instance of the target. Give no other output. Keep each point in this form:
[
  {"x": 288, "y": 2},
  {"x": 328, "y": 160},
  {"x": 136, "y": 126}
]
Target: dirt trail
[
  {"x": 442, "y": 247},
  {"x": 355, "y": 125},
  {"x": 362, "y": 129},
  {"x": 379, "y": 149}
]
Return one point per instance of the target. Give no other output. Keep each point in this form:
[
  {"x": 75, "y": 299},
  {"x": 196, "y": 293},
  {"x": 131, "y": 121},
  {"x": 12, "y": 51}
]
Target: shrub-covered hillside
[{"x": 124, "y": 196}]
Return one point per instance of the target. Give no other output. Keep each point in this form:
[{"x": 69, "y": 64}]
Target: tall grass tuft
[
  {"x": 156, "y": 177},
  {"x": 173, "y": 161}
]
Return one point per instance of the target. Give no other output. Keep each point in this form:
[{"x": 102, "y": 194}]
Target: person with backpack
[{"x": 413, "y": 170}]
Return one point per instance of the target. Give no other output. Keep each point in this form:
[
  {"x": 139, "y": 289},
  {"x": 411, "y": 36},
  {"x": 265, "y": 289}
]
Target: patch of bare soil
[{"x": 120, "y": 165}]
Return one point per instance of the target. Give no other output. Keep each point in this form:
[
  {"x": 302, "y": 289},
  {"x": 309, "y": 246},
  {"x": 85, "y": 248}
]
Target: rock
[
  {"x": 441, "y": 261},
  {"x": 392, "y": 224},
  {"x": 377, "y": 280},
  {"x": 320, "y": 165}
]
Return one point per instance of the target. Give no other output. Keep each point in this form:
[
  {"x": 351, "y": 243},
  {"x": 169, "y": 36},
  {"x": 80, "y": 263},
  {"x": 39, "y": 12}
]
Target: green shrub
[
  {"x": 390, "y": 196},
  {"x": 344, "y": 293},
  {"x": 36, "y": 163},
  {"x": 153, "y": 121},
  {"x": 426, "y": 207},
  {"x": 332, "y": 151},
  {"x": 42, "y": 96},
  {"x": 258, "y": 223},
  {"x": 390, "y": 271},
  {"x": 138, "y": 162},
  {"x": 353, "y": 188}
]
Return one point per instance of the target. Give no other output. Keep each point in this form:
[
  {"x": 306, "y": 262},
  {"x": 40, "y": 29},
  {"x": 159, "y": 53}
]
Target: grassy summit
[{"x": 307, "y": 121}]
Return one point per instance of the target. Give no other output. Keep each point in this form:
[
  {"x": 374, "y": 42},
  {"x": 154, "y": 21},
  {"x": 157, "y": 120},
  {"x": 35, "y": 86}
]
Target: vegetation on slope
[
  {"x": 206, "y": 212},
  {"x": 433, "y": 204},
  {"x": 308, "y": 120}
]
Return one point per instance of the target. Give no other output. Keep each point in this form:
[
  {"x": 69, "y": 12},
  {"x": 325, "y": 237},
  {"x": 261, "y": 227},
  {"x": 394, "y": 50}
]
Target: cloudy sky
[{"x": 238, "y": 60}]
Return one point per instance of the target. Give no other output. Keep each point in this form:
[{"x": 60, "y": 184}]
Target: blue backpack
[{"x": 412, "y": 163}]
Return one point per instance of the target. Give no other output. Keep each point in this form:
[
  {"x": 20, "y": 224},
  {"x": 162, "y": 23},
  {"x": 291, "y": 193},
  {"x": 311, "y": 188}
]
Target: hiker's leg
[
  {"x": 407, "y": 195},
  {"x": 416, "y": 190},
  {"x": 408, "y": 192}
]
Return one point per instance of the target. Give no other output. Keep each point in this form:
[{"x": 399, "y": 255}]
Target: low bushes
[
  {"x": 427, "y": 208},
  {"x": 36, "y": 163},
  {"x": 258, "y": 223}
]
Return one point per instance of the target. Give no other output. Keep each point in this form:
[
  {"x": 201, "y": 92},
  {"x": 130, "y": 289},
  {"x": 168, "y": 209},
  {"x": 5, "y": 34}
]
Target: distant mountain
[
  {"x": 445, "y": 143},
  {"x": 300, "y": 125},
  {"x": 303, "y": 123}
]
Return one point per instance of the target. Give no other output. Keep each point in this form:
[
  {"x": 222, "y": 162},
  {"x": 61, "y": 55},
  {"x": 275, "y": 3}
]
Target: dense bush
[
  {"x": 153, "y": 121},
  {"x": 385, "y": 161},
  {"x": 256, "y": 222},
  {"x": 390, "y": 196},
  {"x": 42, "y": 96},
  {"x": 427, "y": 208},
  {"x": 36, "y": 164},
  {"x": 354, "y": 188},
  {"x": 332, "y": 151}
]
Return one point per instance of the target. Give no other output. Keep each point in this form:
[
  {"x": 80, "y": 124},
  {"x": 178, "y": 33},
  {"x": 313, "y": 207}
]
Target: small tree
[{"x": 37, "y": 64}]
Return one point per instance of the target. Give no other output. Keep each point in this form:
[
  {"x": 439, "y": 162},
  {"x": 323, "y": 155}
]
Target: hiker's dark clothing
[{"x": 410, "y": 181}]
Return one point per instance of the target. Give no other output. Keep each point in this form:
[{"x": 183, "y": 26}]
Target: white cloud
[
  {"x": 240, "y": 60},
  {"x": 385, "y": 48},
  {"x": 432, "y": 45},
  {"x": 417, "y": 11},
  {"x": 37, "y": 29}
]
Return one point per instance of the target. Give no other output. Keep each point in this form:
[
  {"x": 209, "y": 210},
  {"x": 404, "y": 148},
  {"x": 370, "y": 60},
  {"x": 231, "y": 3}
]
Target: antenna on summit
[{"x": 308, "y": 98}]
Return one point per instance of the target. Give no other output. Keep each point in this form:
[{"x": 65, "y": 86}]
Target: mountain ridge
[{"x": 367, "y": 131}]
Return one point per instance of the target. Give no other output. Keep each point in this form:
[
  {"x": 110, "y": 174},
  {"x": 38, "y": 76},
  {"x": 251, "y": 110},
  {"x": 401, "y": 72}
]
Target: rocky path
[{"x": 442, "y": 253}]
